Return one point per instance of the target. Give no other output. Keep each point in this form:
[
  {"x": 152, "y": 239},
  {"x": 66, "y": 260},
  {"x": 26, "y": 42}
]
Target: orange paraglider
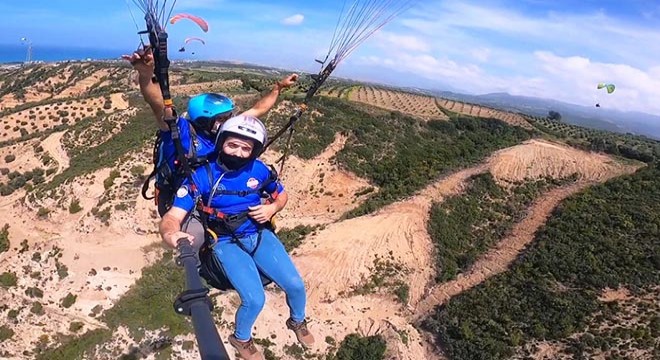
[
  {"x": 183, "y": 47},
  {"x": 196, "y": 19}
]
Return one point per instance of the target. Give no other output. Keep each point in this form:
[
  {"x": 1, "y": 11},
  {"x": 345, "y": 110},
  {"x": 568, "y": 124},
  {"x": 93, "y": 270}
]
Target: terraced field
[
  {"x": 43, "y": 117},
  {"x": 483, "y": 111},
  {"x": 412, "y": 104},
  {"x": 60, "y": 81}
]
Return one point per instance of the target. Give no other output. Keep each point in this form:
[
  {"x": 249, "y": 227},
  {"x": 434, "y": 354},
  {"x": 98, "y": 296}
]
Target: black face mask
[{"x": 233, "y": 162}]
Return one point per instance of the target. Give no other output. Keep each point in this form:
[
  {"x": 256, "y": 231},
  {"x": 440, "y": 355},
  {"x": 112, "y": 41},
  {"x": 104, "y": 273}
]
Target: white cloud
[
  {"x": 484, "y": 49},
  {"x": 596, "y": 32},
  {"x": 572, "y": 79},
  {"x": 575, "y": 78},
  {"x": 481, "y": 54},
  {"x": 425, "y": 65},
  {"x": 394, "y": 41},
  {"x": 296, "y": 19}
]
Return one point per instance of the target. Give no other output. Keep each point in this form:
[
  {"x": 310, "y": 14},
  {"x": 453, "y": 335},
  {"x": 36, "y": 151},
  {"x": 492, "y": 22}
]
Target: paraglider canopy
[
  {"x": 194, "y": 39},
  {"x": 185, "y": 42},
  {"x": 610, "y": 87},
  {"x": 196, "y": 19}
]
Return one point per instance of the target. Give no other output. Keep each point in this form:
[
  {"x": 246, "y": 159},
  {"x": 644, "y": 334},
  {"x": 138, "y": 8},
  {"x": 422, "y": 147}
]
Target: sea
[{"x": 18, "y": 53}]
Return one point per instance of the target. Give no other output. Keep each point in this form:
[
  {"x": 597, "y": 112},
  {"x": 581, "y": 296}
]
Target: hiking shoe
[
  {"x": 246, "y": 350},
  {"x": 302, "y": 333}
]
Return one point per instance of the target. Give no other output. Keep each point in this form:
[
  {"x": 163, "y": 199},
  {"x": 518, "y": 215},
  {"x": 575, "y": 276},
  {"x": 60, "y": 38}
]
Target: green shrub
[
  {"x": 62, "y": 270},
  {"x": 292, "y": 238},
  {"x": 37, "y": 308},
  {"x": 6, "y": 190},
  {"x": 4, "y": 239},
  {"x": 107, "y": 183},
  {"x": 102, "y": 215},
  {"x": 5, "y": 333},
  {"x": 75, "y": 326},
  {"x": 68, "y": 300},
  {"x": 24, "y": 246},
  {"x": 121, "y": 206},
  {"x": 402, "y": 293},
  {"x": 9, "y": 158},
  {"x": 43, "y": 212},
  {"x": 12, "y": 314},
  {"x": 355, "y": 347},
  {"x": 34, "y": 292},
  {"x": 74, "y": 207},
  {"x": 8, "y": 279},
  {"x": 137, "y": 170}
]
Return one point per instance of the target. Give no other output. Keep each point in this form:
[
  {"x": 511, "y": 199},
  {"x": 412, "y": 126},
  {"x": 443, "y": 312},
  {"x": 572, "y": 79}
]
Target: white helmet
[{"x": 246, "y": 126}]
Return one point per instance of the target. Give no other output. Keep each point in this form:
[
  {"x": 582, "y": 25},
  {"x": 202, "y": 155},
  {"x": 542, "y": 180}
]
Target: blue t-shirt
[
  {"x": 203, "y": 147},
  {"x": 248, "y": 179}
]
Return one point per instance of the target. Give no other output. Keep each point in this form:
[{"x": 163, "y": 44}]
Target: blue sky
[{"x": 555, "y": 49}]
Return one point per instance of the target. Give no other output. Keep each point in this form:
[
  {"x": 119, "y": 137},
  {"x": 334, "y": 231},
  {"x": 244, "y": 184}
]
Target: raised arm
[
  {"x": 143, "y": 63},
  {"x": 265, "y": 103}
]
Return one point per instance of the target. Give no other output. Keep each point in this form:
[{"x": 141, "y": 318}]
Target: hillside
[
  {"x": 586, "y": 116},
  {"x": 404, "y": 210}
]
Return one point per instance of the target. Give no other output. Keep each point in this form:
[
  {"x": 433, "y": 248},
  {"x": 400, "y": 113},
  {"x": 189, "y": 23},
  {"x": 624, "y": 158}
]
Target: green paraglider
[{"x": 610, "y": 87}]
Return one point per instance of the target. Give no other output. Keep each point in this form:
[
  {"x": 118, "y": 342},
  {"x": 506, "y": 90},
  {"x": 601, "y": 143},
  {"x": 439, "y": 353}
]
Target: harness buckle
[{"x": 231, "y": 218}]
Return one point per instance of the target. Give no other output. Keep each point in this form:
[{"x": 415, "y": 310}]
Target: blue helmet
[{"x": 209, "y": 106}]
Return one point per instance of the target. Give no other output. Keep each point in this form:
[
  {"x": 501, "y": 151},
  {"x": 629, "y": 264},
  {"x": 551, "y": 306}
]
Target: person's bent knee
[
  {"x": 294, "y": 286},
  {"x": 254, "y": 301}
]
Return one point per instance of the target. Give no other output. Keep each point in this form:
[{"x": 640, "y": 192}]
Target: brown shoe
[
  {"x": 302, "y": 333},
  {"x": 246, "y": 349}
]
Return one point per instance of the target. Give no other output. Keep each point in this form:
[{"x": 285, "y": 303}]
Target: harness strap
[
  {"x": 162, "y": 168},
  {"x": 233, "y": 221},
  {"x": 145, "y": 185},
  {"x": 211, "y": 235},
  {"x": 154, "y": 160}
]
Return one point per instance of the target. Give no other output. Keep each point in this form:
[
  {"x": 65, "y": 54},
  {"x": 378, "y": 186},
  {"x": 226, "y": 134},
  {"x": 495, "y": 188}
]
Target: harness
[
  {"x": 216, "y": 223},
  {"x": 167, "y": 178}
]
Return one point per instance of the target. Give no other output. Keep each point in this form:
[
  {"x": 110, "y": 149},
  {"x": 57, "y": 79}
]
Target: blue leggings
[{"x": 241, "y": 269}]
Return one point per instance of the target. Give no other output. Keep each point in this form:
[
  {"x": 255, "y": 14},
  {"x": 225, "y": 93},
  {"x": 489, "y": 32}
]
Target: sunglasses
[{"x": 210, "y": 122}]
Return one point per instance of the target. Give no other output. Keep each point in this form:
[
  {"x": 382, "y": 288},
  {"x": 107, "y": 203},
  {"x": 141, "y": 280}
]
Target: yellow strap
[
  {"x": 213, "y": 235},
  {"x": 273, "y": 222}
]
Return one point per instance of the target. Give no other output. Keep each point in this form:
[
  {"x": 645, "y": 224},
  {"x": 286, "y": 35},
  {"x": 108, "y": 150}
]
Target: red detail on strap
[{"x": 210, "y": 211}]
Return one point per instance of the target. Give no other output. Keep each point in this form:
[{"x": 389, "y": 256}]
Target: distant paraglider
[
  {"x": 196, "y": 19},
  {"x": 608, "y": 87},
  {"x": 183, "y": 47}
]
